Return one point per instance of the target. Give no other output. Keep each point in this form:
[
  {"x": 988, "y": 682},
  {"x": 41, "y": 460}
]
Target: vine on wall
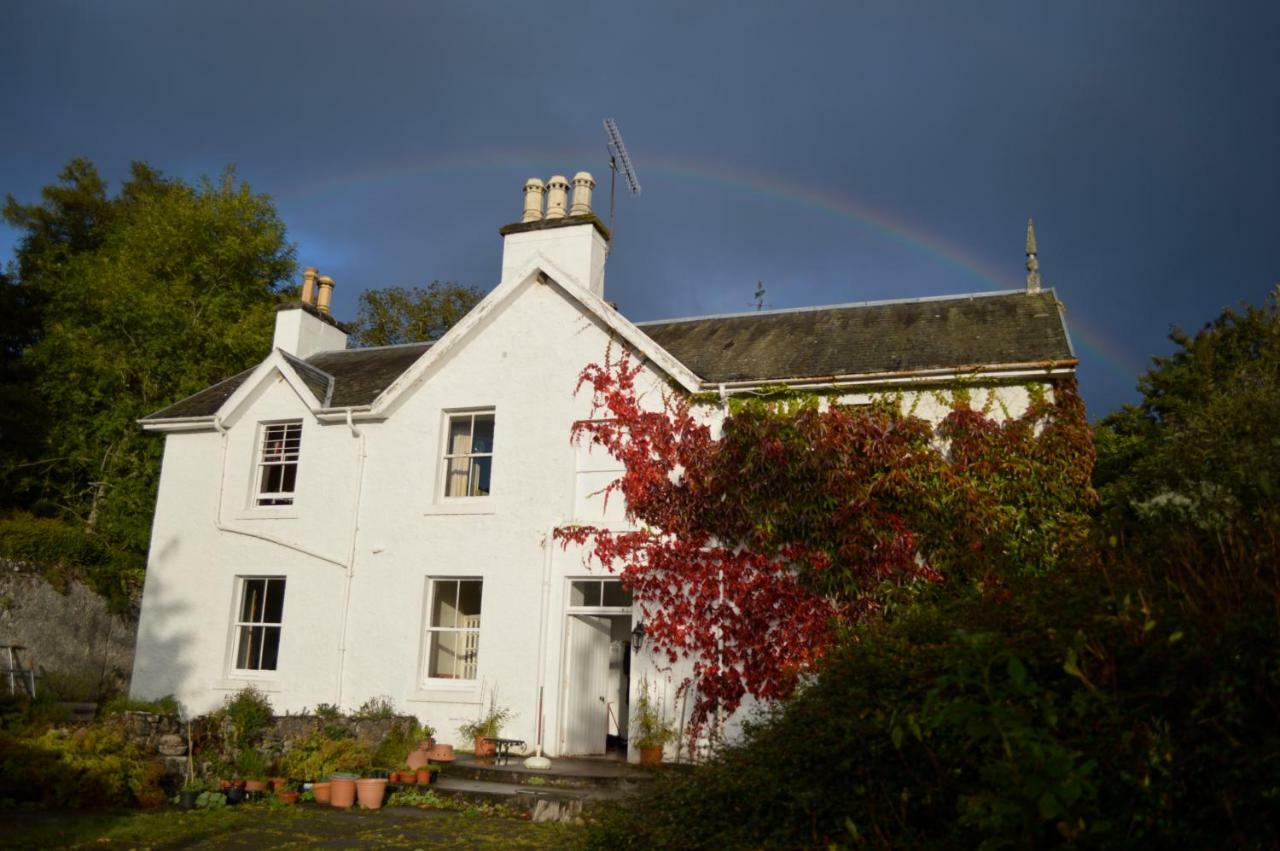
[{"x": 753, "y": 550}]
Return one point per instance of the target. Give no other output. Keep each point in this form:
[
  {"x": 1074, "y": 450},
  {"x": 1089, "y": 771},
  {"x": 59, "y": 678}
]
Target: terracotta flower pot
[
  {"x": 651, "y": 755},
  {"x": 224, "y": 785},
  {"x": 278, "y": 783},
  {"x": 370, "y": 791},
  {"x": 424, "y": 777},
  {"x": 441, "y": 753},
  {"x": 255, "y": 785},
  {"x": 321, "y": 791},
  {"x": 287, "y": 797},
  {"x": 342, "y": 792},
  {"x": 485, "y": 747}
]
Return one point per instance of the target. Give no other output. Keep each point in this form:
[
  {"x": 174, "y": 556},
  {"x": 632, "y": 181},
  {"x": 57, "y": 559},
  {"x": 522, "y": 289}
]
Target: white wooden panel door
[{"x": 586, "y": 686}]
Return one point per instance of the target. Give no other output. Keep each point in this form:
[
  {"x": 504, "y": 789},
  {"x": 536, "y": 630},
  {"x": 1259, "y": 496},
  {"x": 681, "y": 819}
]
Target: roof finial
[{"x": 1033, "y": 265}]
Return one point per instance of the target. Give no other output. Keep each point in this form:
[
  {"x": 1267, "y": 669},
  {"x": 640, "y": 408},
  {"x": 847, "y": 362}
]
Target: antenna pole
[{"x": 613, "y": 184}]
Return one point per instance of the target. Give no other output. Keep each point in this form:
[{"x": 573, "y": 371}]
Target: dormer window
[
  {"x": 468, "y": 454},
  {"x": 278, "y": 464}
]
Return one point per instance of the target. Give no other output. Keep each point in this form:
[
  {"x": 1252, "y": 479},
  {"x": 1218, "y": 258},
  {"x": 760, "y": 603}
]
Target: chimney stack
[
  {"x": 571, "y": 237},
  {"x": 1033, "y": 263},
  {"x": 326, "y": 293}
]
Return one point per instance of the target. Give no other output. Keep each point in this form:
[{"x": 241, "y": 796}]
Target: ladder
[{"x": 18, "y": 672}]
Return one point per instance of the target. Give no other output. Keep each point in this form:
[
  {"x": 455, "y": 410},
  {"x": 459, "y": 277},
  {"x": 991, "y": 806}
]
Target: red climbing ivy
[{"x": 753, "y": 549}]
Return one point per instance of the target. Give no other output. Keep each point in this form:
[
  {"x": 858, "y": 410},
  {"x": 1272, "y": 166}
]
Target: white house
[{"x": 336, "y": 524}]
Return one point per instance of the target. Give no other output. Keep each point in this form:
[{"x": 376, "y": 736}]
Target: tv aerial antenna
[{"x": 618, "y": 159}]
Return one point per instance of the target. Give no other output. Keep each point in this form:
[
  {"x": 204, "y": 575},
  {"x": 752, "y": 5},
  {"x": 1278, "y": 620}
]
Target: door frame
[{"x": 566, "y": 671}]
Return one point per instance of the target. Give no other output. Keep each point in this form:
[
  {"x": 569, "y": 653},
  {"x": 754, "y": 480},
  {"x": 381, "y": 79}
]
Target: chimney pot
[
  {"x": 583, "y": 183},
  {"x": 326, "y": 293},
  {"x": 309, "y": 285},
  {"x": 557, "y": 196},
  {"x": 532, "y": 200}
]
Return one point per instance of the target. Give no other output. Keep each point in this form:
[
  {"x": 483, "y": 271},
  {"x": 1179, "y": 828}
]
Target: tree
[
  {"x": 138, "y": 300},
  {"x": 754, "y": 550},
  {"x": 410, "y": 315}
]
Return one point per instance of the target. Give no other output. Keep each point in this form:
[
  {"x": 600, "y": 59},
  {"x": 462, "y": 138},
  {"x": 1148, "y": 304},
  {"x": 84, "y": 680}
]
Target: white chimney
[
  {"x": 572, "y": 238},
  {"x": 304, "y": 328}
]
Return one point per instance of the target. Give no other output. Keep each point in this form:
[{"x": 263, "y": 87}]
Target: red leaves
[{"x": 754, "y": 549}]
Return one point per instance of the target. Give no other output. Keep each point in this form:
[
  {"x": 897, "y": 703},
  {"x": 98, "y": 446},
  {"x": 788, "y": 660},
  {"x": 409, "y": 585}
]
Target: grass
[{"x": 257, "y": 826}]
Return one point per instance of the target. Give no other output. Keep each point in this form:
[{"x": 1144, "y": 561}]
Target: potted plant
[
  {"x": 408, "y": 774},
  {"x": 191, "y": 792},
  {"x": 650, "y": 730},
  {"x": 486, "y": 728},
  {"x": 253, "y": 767},
  {"x": 288, "y": 794}
]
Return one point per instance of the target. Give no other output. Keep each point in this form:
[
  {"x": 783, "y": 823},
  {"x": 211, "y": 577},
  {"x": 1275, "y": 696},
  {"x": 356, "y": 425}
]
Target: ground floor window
[
  {"x": 453, "y": 628},
  {"x": 258, "y": 623}
]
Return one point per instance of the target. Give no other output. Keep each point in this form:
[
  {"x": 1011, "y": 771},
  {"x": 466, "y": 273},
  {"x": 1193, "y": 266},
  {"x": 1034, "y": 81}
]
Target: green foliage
[
  {"x": 401, "y": 740},
  {"x": 245, "y": 717},
  {"x": 648, "y": 728},
  {"x": 397, "y": 315},
  {"x": 135, "y": 300},
  {"x": 318, "y": 756},
  {"x": 252, "y": 765},
  {"x": 378, "y": 708},
  {"x": 90, "y": 766},
  {"x": 489, "y": 726},
  {"x": 327, "y": 712},
  {"x": 167, "y": 705}
]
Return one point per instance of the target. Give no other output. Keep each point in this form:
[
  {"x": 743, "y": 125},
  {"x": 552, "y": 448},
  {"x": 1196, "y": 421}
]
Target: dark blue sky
[{"x": 837, "y": 152}]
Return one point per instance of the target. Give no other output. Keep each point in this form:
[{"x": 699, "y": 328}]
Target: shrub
[
  {"x": 318, "y": 756},
  {"x": 91, "y": 766},
  {"x": 489, "y": 726},
  {"x": 401, "y": 740},
  {"x": 378, "y": 708},
  {"x": 167, "y": 705},
  {"x": 246, "y": 715},
  {"x": 1035, "y": 713}
]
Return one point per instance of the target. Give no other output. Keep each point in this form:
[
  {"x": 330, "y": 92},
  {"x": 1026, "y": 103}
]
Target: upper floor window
[
  {"x": 258, "y": 623},
  {"x": 468, "y": 454},
  {"x": 278, "y": 465}
]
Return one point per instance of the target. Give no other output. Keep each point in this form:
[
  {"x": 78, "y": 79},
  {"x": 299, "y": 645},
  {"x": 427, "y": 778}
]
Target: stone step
[
  {"x": 544, "y": 804},
  {"x": 566, "y": 774}
]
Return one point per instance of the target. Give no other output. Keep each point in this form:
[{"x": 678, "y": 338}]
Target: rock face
[{"x": 80, "y": 649}]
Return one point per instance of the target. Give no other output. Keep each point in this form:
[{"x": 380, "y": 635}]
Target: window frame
[
  {"x": 260, "y": 500},
  {"x": 600, "y": 609},
  {"x": 426, "y": 680},
  {"x": 239, "y": 625},
  {"x": 446, "y": 456}
]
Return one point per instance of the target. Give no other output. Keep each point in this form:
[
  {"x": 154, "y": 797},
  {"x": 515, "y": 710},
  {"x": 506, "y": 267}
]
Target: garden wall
[{"x": 81, "y": 650}]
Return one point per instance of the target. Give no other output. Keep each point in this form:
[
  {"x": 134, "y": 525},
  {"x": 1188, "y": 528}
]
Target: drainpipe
[{"x": 351, "y": 553}]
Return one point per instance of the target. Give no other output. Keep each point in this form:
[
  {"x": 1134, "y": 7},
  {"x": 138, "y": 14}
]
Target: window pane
[
  {"x": 273, "y": 479},
  {"x": 469, "y": 602},
  {"x": 444, "y": 612},
  {"x": 480, "y": 476},
  {"x": 443, "y": 654},
  {"x": 482, "y": 440},
  {"x": 585, "y": 592},
  {"x": 455, "y": 482},
  {"x": 246, "y": 652},
  {"x": 288, "y": 477},
  {"x": 459, "y": 435},
  {"x": 273, "y": 612},
  {"x": 251, "y": 604},
  {"x": 270, "y": 647},
  {"x": 616, "y": 595}
]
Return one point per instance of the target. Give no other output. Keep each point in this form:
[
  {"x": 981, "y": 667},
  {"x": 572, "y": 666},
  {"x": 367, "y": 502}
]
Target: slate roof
[
  {"x": 356, "y": 377},
  {"x": 958, "y": 332}
]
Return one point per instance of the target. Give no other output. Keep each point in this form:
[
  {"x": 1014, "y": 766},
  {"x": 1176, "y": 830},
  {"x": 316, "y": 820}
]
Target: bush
[
  {"x": 167, "y": 705},
  {"x": 378, "y": 708},
  {"x": 1036, "y": 713},
  {"x": 318, "y": 756},
  {"x": 91, "y": 766},
  {"x": 401, "y": 740},
  {"x": 245, "y": 716},
  {"x": 62, "y": 552}
]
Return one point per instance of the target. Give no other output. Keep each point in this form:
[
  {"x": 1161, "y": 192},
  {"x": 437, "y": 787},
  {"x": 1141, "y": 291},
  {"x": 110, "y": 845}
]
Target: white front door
[{"x": 586, "y": 686}]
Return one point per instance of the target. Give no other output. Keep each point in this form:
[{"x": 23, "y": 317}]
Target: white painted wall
[
  {"x": 303, "y": 335},
  {"x": 522, "y": 361}
]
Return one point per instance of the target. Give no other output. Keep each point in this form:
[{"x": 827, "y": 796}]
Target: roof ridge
[
  {"x": 374, "y": 348},
  {"x": 845, "y": 306}
]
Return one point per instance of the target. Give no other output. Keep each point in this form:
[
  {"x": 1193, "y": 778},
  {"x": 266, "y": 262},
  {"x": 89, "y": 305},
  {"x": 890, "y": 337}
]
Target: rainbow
[{"x": 1086, "y": 334}]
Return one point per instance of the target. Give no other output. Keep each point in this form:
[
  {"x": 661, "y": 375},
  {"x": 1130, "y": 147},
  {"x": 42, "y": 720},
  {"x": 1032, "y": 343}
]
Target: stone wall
[{"x": 79, "y": 648}]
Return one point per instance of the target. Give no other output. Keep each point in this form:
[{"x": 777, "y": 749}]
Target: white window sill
[
  {"x": 461, "y": 505},
  {"x": 289, "y": 513},
  {"x": 237, "y": 683},
  {"x": 448, "y": 693}
]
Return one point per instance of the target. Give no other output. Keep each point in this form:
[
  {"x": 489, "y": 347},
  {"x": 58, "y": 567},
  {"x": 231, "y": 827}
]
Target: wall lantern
[{"x": 637, "y": 637}]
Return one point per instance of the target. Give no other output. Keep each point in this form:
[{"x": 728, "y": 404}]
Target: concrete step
[{"x": 544, "y": 804}]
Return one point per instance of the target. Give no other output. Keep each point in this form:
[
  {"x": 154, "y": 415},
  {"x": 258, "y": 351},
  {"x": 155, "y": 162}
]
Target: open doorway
[{"x": 597, "y": 669}]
